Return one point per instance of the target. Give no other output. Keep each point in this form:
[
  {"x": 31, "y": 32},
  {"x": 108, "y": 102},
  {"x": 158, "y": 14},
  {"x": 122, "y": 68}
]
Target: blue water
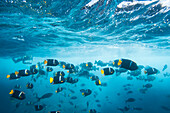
[{"x": 62, "y": 30}]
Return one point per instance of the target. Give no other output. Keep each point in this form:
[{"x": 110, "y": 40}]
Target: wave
[{"x": 28, "y": 25}]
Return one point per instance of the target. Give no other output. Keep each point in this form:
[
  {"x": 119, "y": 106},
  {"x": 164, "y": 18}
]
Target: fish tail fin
[
  {"x": 11, "y": 92},
  {"x": 8, "y": 76},
  {"x": 36, "y": 96}
]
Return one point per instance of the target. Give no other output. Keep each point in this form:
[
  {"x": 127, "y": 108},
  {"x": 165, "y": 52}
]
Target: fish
[
  {"x": 165, "y": 108},
  {"x": 71, "y": 103},
  {"x": 127, "y": 85},
  {"x": 47, "y": 95},
  {"x": 118, "y": 94},
  {"x": 130, "y": 100},
  {"x": 97, "y": 100},
  {"x": 135, "y": 72},
  {"x": 83, "y": 73},
  {"x": 129, "y": 92},
  {"x": 98, "y": 105},
  {"x": 84, "y": 110},
  {"x": 127, "y": 88},
  {"x": 138, "y": 109},
  {"x": 126, "y": 108},
  {"x": 165, "y": 67},
  {"x": 17, "y": 105},
  {"x": 150, "y": 78},
  {"x": 73, "y": 97},
  {"x": 140, "y": 77},
  {"x": 100, "y": 63},
  {"x": 87, "y": 104},
  {"x": 166, "y": 74},
  {"x": 100, "y": 89},
  {"x": 82, "y": 84},
  {"x": 148, "y": 85},
  {"x": 129, "y": 78},
  {"x": 104, "y": 84},
  {"x": 59, "y": 105},
  {"x": 143, "y": 90},
  {"x": 71, "y": 91}
]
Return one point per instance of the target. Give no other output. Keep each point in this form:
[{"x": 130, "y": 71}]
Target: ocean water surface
[{"x": 82, "y": 31}]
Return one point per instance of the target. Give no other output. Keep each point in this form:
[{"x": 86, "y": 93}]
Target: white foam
[
  {"x": 128, "y": 3},
  {"x": 165, "y": 3},
  {"x": 91, "y": 3}
]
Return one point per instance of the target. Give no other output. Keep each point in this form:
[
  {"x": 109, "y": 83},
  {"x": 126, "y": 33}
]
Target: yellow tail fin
[
  {"x": 99, "y": 82},
  {"x": 7, "y": 76},
  {"x": 51, "y": 79},
  {"x": 102, "y": 71},
  {"x": 12, "y": 91},
  {"x": 45, "y": 61}
]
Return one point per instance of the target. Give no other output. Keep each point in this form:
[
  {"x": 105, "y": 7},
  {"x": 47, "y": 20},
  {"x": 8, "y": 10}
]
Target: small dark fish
[
  {"x": 106, "y": 97},
  {"x": 126, "y": 108},
  {"x": 148, "y": 85},
  {"x": 83, "y": 85},
  {"x": 34, "y": 79},
  {"x": 104, "y": 84},
  {"x": 118, "y": 94},
  {"x": 71, "y": 91},
  {"x": 94, "y": 96},
  {"x": 127, "y": 88},
  {"x": 161, "y": 80},
  {"x": 84, "y": 110},
  {"x": 143, "y": 90},
  {"x": 138, "y": 109},
  {"x": 127, "y": 85},
  {"x": 140, "y": 77},
  {"x": 166, "y": 74},
  {"x": 165, "y": 67},
  {"x": 130, "y": 100},
  {"x": 98, "y": 105},
  {"x": 71, "y": 103},
  {"x": 17, "y": 105},
  {"x": 165, "y": 108},
  {"x": 110, "y": 102},
  {"x": 150, "y": 78},
  {"x": 73, "y": 97},
  {"x": 59, "y": 105},
  {"x": 97, "y": 100},
  {"x": 47, "y": 95},
  {"x": 87, "y": 104},
  {"x": 100, "y": 89},
  {"x": 129, "y": 78},
  {"x": 168, "y": 96},
  {"x": 129, "y": 92}
]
